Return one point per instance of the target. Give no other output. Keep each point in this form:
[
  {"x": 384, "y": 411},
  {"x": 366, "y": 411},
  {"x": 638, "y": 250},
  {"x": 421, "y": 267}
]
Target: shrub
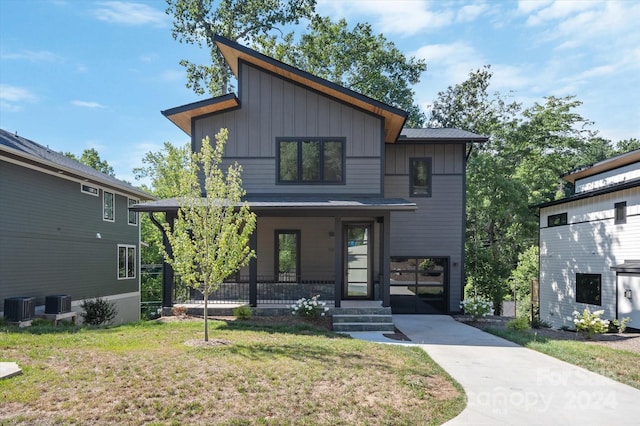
[
  {"x": 309, "y": 308},
  {"x": 243, "y": 312},
  {"x": 179, "y": 311},
  {"x": 538, "y": 323},
  {"x": 518, "y": 324},
  {"x": 98, "y": 311},
  {"x": 39, "y": 322},
  {"x": 589, "y": 323},
  {"x": 477, "y": 308},
  {"x": 619, "y": 326}
]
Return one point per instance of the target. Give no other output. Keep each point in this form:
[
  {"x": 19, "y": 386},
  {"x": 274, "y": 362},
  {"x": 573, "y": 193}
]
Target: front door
[{"x": 358, "y": 247}]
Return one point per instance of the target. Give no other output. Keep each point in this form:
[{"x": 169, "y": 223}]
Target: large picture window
[
  {"x": 126, "y": 261},
  {"x": 589, "y": 288},
  {"x": 310, "y": 161},
  {"x": 420, "y": 177},
  {"x": 108, "y": 206},
  {"x": 287, "y": 256}
]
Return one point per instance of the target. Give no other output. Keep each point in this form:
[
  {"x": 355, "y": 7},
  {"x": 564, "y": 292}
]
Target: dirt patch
[
  {"x": 200, "y": 343},
  {"x": 624, "y": 341}
]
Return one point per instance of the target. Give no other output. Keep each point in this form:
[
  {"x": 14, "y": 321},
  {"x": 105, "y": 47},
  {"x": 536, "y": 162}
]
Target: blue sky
[{"x": 96, "y": 74}]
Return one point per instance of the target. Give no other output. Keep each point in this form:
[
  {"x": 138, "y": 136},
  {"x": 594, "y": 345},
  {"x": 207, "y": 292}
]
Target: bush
[
  {"x": 243, "y": 312},
  {"x": 518, "y": 324},
  {"x": 309, "y": 308},
  {"x": 538, "y": 323},
  {"x": 589, "y": 323},
  {"x": 619, "y": 326},
  {"x": 98, "y": 311},
  {"x": 477, "y": 308},
  {"x": 179, "y": 311}
]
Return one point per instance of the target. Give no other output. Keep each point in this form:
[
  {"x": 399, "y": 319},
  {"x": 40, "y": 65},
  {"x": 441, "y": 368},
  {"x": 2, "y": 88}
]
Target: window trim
[
  {"x": 428, "y": 161},
  {"x": 620, "y": 213},
  {"x": 580, "y": 276},
  {"x": 113, "y": 212},
  {"x": 89, "y": 191},
  {"x": 564, "y": 219},
  {"x": 276, "y": 246},
  {"x": 127, "y": 248},
  {"x": 300, "y": 141},
  {"x": 135, "y": 216}
]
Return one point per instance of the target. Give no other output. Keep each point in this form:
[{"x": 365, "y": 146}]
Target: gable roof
[
  {"x": 394, "y": 118},
  {"x": 604, "y": 166},
  {"x": 24, "y": 151}
]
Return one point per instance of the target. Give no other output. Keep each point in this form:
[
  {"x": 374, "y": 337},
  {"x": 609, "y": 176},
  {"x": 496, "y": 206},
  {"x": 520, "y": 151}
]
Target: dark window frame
[
  {"x": 551, "y": 219},
  {"x": 321, "y": 179},
  {"x": 588, "y": 295},
  {"x": 620, "y": 213},
  {"x": 276, "y": 244},
  {"x": 428, "y": 164}
]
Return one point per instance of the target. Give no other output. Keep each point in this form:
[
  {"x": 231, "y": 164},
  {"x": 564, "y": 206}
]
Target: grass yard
[
  {"x": 620, "y": 365},
  {"x": 145, "y": 373}
]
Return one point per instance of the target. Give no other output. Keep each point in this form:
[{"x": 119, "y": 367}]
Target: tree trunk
[{"x": 205, "y": 293}]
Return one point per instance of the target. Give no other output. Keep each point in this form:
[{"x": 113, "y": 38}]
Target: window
[
  {"x": 589, "y": 288},
  {"x": 557, "y": 220},
  {"x": 311, "y": 161},
  {"x": 621, "y": 212},
  {"x": 287, "y": 256},
  {"x": 86, "y": 189},
  {"x": 126, "y": 262},
  {"x": 420, "y": 177},
  {"x": 133, "y": 216},
  {"x": 108, "y": 206}
]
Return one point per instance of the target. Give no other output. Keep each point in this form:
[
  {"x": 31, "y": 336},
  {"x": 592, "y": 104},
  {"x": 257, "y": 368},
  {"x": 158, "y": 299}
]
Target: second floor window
[
  {"x": 310, "y": 161},
  {"x": 420, "y": 177},
  {"x": 108, "y": 206}
]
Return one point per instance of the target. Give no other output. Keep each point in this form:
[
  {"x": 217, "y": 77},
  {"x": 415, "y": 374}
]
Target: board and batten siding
[
  {"x": 590, "y": 243},
  {"x": 436, "y": 227},
  {"x": 271, "y": 107},
  {"x": 48, "y": 241}
]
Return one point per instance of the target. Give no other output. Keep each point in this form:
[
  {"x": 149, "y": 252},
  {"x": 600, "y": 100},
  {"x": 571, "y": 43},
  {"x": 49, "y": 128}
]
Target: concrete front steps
[{"x": 347, "y": 320}]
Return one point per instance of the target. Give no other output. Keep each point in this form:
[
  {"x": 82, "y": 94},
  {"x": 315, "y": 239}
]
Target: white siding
[
  {"x": 622, "y": 174},
  {"x": 589, "y": 243}
]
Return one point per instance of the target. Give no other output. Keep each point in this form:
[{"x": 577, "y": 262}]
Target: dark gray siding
[
  {"x": 436, "y": 228},
  {"x": 272, "y": 107},
  {"x": 48, "y": 241}
]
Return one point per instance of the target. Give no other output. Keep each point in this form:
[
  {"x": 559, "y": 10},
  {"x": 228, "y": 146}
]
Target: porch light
[{"x": 627, "y": 293}]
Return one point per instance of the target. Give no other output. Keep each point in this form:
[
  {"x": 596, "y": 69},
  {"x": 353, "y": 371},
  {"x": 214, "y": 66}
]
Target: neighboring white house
[{"x": 590, "y": 244}]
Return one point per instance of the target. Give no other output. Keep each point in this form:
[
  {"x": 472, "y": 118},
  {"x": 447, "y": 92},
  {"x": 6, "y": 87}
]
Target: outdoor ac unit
[
  {"x": 18, "y": 309},
  {"x": 57, "y": 304}
]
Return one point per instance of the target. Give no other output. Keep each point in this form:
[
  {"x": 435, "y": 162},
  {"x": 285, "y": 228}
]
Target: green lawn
[
  {"x": 258, "y": 374},
  {"x": 619, "y": 365}
]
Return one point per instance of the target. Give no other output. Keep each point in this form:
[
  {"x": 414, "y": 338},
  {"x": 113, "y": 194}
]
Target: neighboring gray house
[
  {"x": 590, "y": 244},
  {"x": 65, "y": 229},
  {"x": 350, "y": 205}
]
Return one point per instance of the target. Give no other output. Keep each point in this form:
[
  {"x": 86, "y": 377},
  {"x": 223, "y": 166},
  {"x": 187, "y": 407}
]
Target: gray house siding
[
  {"x": 437, "y": 226},
  {"x": 49, "y": 244},
  {"x": 271, "y": 107}
]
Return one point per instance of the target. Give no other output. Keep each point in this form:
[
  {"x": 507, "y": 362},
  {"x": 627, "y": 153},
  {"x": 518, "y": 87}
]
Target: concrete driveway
[{"x": 507, "y": 384}]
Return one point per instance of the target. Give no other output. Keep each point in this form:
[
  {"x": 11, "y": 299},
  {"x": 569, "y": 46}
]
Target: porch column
[
  {"x": 385, "y": 291},
  {"x": 337, "y": 255},
  {"x": 167, "y": 270},
  {"x": 253, "y": 269}
]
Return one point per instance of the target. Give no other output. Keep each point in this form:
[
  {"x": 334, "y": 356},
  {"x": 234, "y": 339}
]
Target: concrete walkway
[{"x": 507, "y": 384}]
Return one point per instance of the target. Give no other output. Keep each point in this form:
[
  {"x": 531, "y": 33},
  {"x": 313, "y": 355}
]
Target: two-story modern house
[
  {"x": 66, "y": 230},
  {"x": 350, "y": 205},
  {"x": 590, "y": 244}
]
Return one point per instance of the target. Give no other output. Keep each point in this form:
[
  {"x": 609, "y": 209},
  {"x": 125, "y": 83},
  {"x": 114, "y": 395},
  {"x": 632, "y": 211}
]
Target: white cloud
[
  {"x": 471, "y": 12},
  {"x": 528, "y": 6},
  {"x": 560, "y": 9},
  {"x": 87, "y": 104},
  {"x": 32, "y": 56},
  {"x": 130, "y": 13},
  {"x": 12, "y": 98}
]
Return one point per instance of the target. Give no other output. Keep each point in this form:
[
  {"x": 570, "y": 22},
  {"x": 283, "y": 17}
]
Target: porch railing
[{"x": 270, "y": 291}]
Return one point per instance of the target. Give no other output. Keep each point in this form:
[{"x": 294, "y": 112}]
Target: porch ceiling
[{"x": 289, "y": 204}]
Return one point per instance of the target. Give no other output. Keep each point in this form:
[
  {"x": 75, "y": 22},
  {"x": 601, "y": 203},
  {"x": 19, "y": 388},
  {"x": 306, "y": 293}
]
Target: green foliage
[
  {"x": 309, "y": 308},
  {"x": 91, "y": 158},
  {"x": 619, "y": 326},
  {"x": 538, "y": 323},
  {"x": 98, "y": 311},
  {"x": 210, "y": 237},
  {"x": 243, "y": 312},
  {"x": 518, "y": 324},
  {"x": 521, "y": 277},
  {"x": 589, "y": 323},
  {"x": 475, "y": 307}
]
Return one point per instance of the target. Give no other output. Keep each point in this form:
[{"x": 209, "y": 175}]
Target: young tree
[{"x": 210, "y": 237}]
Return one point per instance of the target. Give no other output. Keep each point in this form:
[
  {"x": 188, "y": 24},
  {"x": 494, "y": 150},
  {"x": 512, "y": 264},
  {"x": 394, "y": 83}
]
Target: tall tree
[
  {"x": 356, "y": 58},
  {"x": 210, "y": 237},
  {"x": 199, "y": 21},
  {"x": 91, "y": 158}
]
